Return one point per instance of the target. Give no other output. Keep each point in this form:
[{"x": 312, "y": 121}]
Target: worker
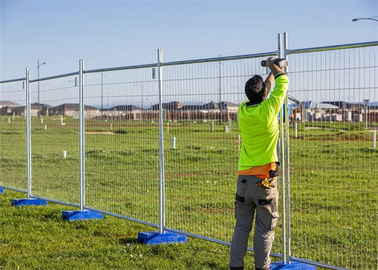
[{"x": 257, "y": 187}]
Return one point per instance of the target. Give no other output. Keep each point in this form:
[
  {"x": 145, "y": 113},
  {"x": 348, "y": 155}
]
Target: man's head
[{"x": 255, "y": 89}]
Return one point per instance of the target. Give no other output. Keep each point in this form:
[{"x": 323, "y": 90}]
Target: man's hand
[{"x": 272, "y": 66}]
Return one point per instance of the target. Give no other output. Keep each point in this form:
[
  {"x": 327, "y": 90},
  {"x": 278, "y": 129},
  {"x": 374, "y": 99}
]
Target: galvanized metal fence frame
[{"x": 283, "y": 51}]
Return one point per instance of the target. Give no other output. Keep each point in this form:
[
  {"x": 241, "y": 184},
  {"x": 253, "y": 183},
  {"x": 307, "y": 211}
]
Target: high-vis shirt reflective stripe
[{"x": 259, "y": 127}]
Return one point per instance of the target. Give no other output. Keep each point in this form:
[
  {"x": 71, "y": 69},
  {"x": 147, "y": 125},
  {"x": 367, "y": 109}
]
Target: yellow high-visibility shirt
[{"x": 259, "y": 127}]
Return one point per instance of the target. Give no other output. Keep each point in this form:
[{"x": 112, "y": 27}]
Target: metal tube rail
[
  {"x": 217, "y": 59},
  {"x": 161, "y": 147},
  {"x": 318, "y": 263},
  {"x": 56, "y": 76},
  {"x": 15, "y": 189},
  {"x": 56, "y": 201},
  {"x": 13, "y": 80},
  {"x": 82, "y": 136},
  {"x": 206, "y": 60},
  {"x": 123, "y": 217},
  {"x": 334, "y": 47},
  {"x": 283, "y": 162},
  {"x": 287, "y": 160},
  {"x": 278, "y": 255},
  {"x": 28, "y": 133},
  {"x": 120, "y": 68}
]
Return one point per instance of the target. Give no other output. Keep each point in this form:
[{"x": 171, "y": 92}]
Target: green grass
[
  {"x": 332, "y": 173},
  {"x": 38, "y": 238}
]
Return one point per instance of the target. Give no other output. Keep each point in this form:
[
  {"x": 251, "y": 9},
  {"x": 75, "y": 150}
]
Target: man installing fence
[{"x": 257, "y": 189}]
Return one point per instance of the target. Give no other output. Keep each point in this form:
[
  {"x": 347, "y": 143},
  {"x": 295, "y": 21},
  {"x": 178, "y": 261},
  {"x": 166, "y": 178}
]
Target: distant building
[
  {"x": 223, "y": 106},
  {"x": 121, "y": 110},
  {"x": 35, "y": 109},
  {"x": 170, "y": 106},
  {"x": 339, "y": 104},
  {"x": 228, "y": 106},
  {"x": 7, "y": 106},
  {"x": 73, "y": 109}
]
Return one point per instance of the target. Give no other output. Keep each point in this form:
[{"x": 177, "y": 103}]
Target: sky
[{"x": 118, "y": 33}]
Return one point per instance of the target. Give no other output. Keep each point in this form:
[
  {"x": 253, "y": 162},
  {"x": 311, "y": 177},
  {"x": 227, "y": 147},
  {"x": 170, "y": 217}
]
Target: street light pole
[{"x": 38, "y": 66}]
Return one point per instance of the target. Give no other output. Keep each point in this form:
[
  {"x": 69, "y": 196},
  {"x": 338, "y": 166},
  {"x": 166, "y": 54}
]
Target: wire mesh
[
  {"x": 122, "y": 143},
  {"x": 333, "y": 168},
  {"x": 55, "y": 139},
  {"x": 13, "y": 165},
  {"x": 202, "y": 145}
]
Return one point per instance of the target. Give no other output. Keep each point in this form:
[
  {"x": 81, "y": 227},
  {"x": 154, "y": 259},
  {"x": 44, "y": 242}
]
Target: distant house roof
[
  {"x": 174, "y": 105},
  {"x": 73, "y": 107},
  {"x": 4, "y": 103},
  {"x": 227, "y": 104},
  {"x": 124, "y": 108},
  {"x": 208, "y": 106},
  {"x": 339, "y": 104},
  {"x": 40, "y": 106},
  {"x": 326, "y": 106}
]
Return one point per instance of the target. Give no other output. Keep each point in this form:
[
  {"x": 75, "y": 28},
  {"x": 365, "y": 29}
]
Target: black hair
[{"x": 255, "y": 89}]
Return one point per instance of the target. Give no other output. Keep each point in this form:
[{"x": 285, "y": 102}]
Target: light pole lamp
[
  {"x": 360, "y": 19},
  {"x": 38, "y": 66}
]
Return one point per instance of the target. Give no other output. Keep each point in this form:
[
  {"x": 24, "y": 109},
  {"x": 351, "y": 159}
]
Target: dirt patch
[{"x": 99, "y": 133}]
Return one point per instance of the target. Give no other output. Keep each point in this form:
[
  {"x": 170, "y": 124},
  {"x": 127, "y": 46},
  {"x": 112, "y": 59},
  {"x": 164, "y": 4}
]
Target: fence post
[
  {"x": 82, "y": 139},
  {"x": 29, "y": 200},
  {"x": 28, "y": 133},
  {"x": 162, "y": 236},
  {"x": 161, "y": 147},
  {"x": 287, "y": 161},
  {"x": 282, "y": 158},
  {"x": 82, "y": 214}
]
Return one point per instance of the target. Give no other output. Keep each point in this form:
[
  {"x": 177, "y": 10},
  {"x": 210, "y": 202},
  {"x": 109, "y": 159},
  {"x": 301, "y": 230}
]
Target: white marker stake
[
  {"x": 8, "y": 120},
  {"x": 374, "y": 138},
  {"x": 173, "y": 142},
  {"x": 41, "y": 120},
  {"x": 64, "y": 154},
  {"x": 45, "y": 127}
]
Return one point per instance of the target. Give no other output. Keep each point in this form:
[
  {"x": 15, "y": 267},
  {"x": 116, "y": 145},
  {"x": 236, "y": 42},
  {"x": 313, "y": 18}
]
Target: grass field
[
  {"x": 333, "y": 183},
  {"x": 37, "y": 238}
]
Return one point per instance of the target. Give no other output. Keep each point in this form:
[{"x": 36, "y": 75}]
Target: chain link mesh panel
[
  {"x": 55, "y": 139},
  {"x": 333, "y": 168},
  {"x": 13, "y": 165},
  {"x": 202, "y": 145},
  {"x": 122, "y": 143}
]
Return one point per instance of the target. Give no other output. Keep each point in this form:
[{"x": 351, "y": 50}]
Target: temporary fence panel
[
  {"x": 122, "y": 143},
  {"x": 55, "y": 139},
  {"x": 333, "y": 156},
  {"x": 333, "y": 170},
  {"x": 202, "y": 144},
  {"x": 13, "y": 165}
]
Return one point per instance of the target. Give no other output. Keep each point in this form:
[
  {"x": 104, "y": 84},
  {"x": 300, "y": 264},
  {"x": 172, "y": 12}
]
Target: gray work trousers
[{"x": 250, "y": 199}]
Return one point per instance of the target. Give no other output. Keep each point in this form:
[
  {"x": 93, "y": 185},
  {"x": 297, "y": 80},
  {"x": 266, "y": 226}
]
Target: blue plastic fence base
[
  {"x": 156, "y": 238},
  {"x": 292, "y": 265},
  {"x": 1, "y": 190},
  {"x": 81, "y": 215},
  {"x": 28, "y": 202}
]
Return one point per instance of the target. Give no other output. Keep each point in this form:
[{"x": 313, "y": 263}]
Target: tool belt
[{"x": 268, "y": 182}]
